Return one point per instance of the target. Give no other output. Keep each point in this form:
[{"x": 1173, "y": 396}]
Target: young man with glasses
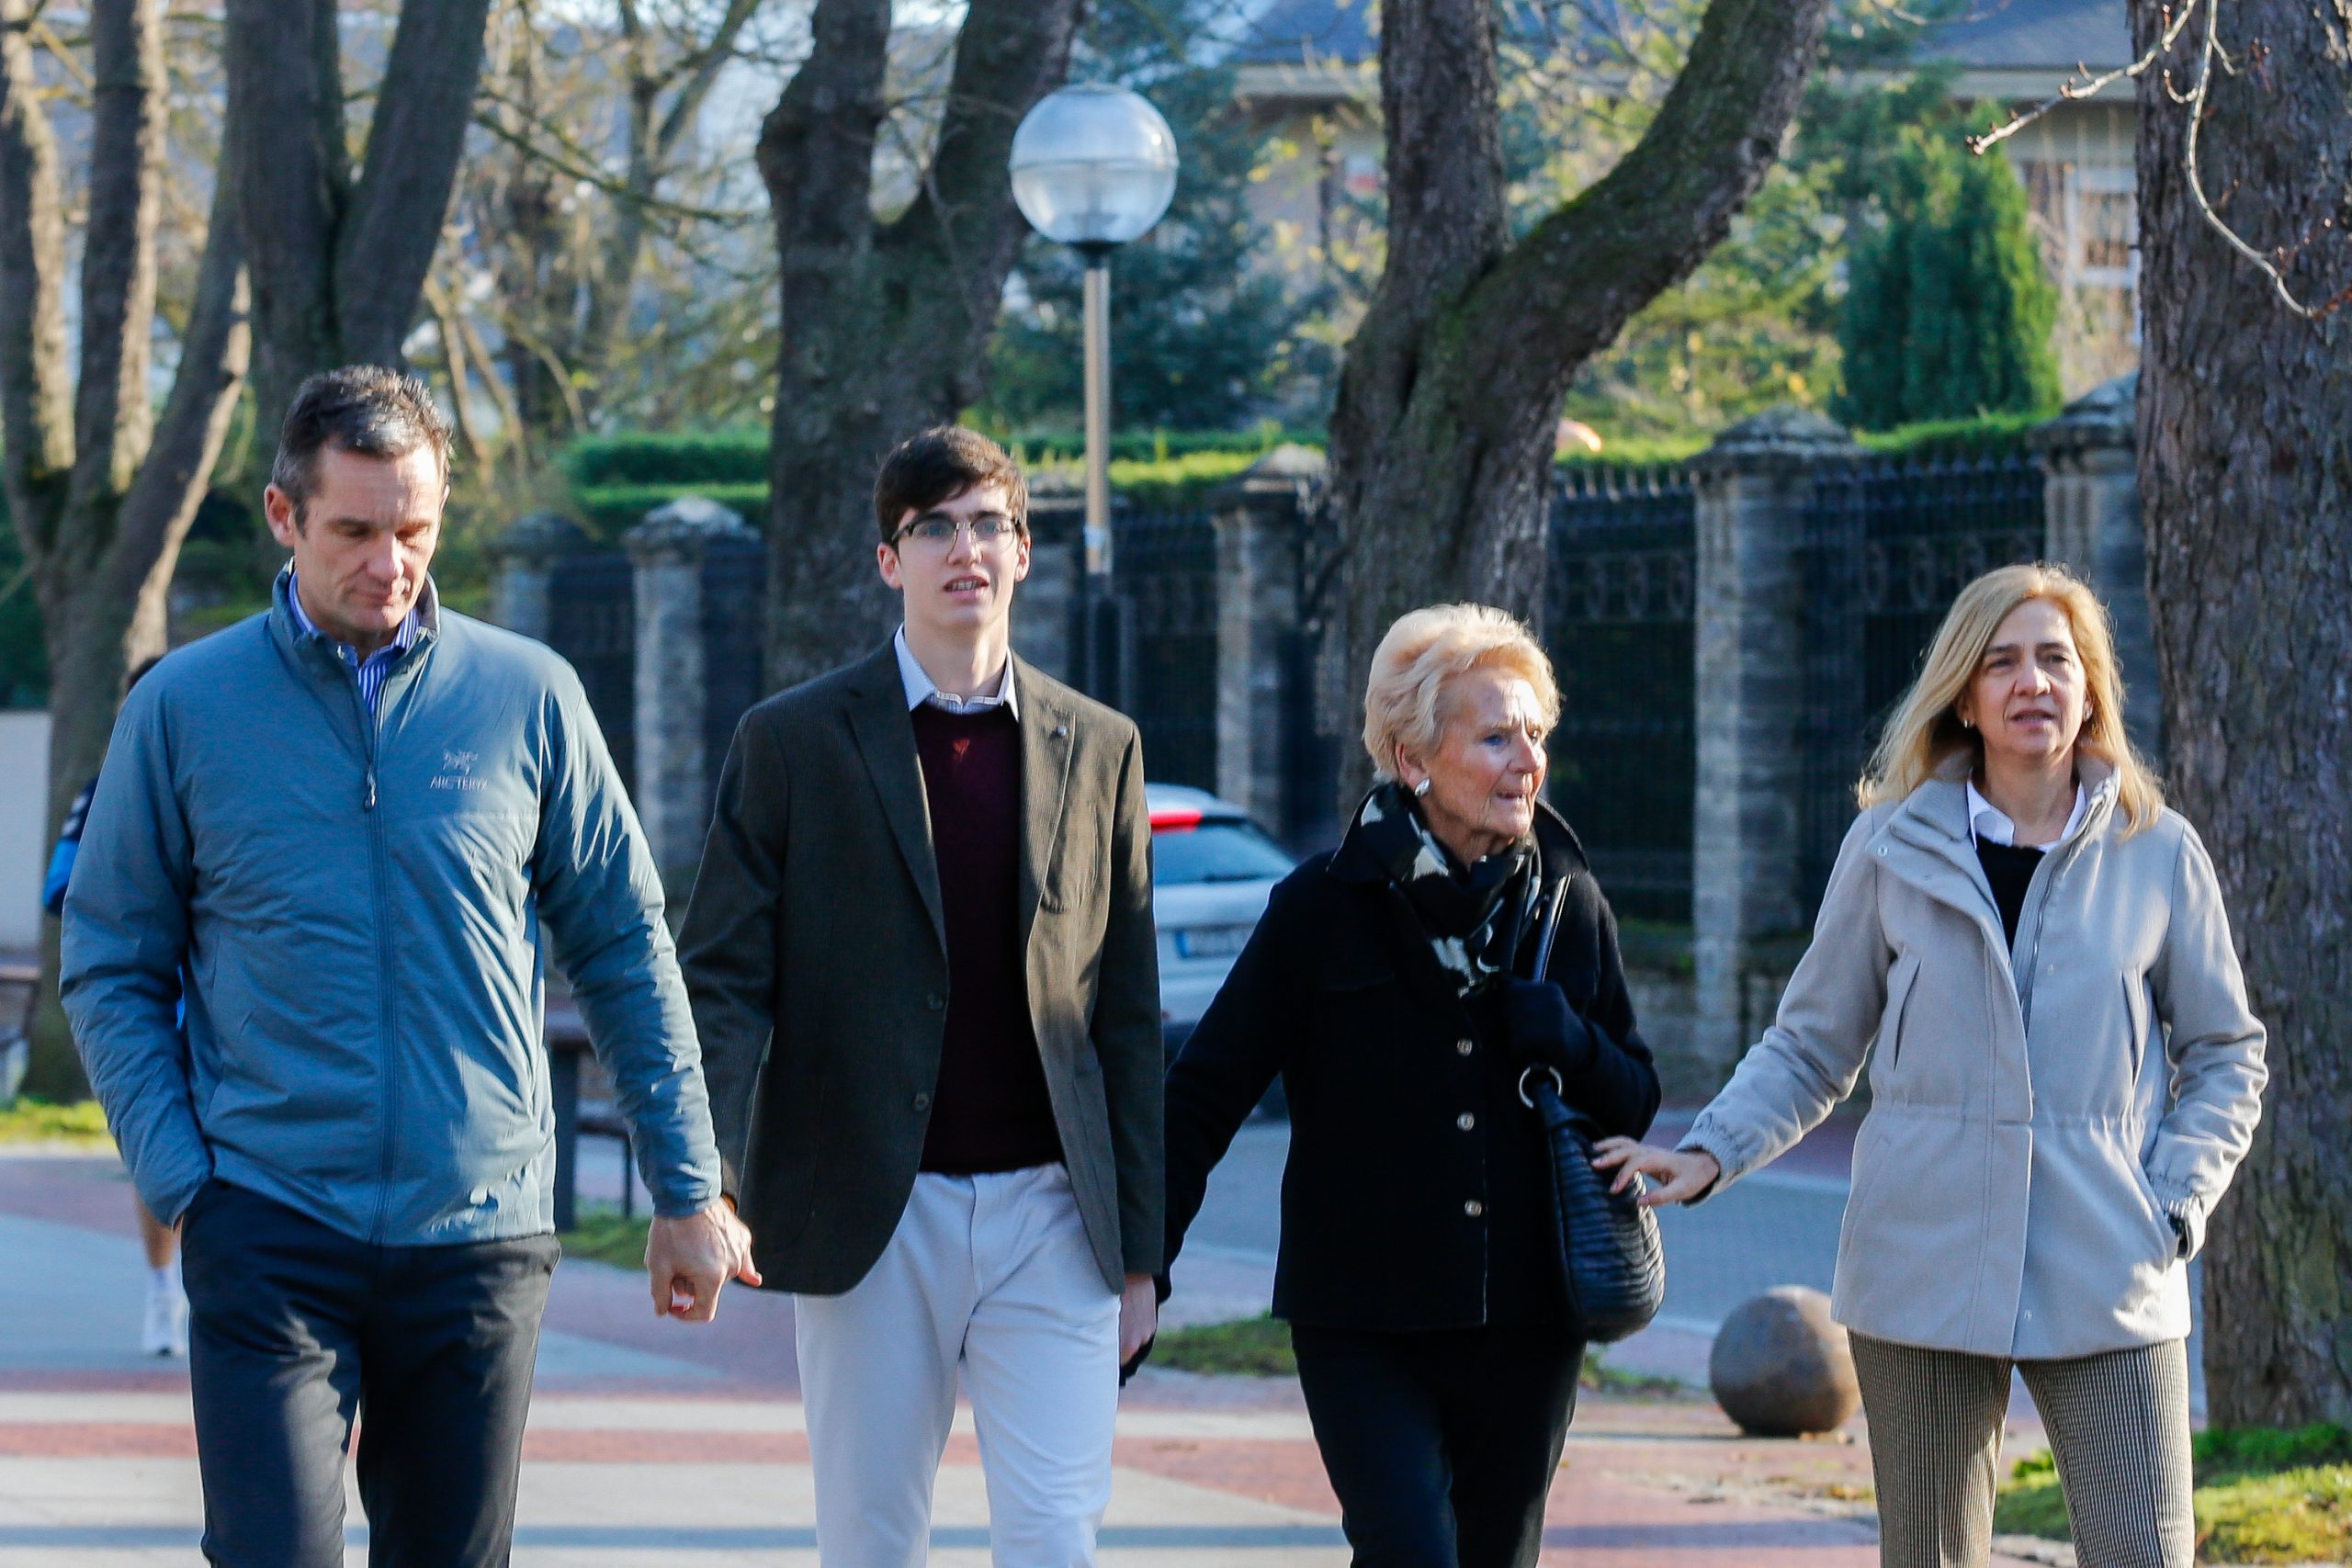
[{"x": 922, "y": 961}]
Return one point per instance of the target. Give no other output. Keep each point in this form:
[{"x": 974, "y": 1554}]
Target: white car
[{"x": 1212, "y": 869}]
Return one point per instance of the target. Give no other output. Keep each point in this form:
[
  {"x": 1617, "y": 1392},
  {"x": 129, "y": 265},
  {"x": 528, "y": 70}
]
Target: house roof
[
  {"x": 1296, "y": 32},
  {"x": 2033, "y": 35},
  {"x": 1994, "y": 35}
]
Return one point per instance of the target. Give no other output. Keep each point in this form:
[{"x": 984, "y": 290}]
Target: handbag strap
[{"x": 1551, "y": 929}]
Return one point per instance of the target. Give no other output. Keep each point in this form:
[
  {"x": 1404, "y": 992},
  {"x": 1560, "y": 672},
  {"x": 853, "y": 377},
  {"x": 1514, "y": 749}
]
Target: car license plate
[{"x": 1211, "y": 942}]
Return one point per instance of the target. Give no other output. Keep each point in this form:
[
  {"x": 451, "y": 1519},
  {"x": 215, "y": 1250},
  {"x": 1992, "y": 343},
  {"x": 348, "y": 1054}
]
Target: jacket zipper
[
  {"x": 387, "y": 1101},
  {"x": 2041, "y": 917}
]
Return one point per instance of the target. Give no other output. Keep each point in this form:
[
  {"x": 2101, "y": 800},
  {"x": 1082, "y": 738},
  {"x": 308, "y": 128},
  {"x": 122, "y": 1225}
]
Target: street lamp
[{"x": 1093, "y": 166}]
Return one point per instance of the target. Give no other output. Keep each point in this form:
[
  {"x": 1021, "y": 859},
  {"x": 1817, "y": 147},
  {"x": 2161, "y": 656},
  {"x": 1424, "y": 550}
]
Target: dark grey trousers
[
  {"x": 294, "y": 1327},
  {"x": 2118, "y": 1429}
]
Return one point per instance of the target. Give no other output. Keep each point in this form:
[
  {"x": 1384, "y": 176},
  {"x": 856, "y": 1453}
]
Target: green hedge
[
  {"x": 1052, "y": 446},
  {"x": 1988, "y": 431},
  {"x": 640, "y": 457},
  {"x": 610, "y": 511},
  {"x": 1174, "y": 485},
  {"x": 741, "y": 456}
]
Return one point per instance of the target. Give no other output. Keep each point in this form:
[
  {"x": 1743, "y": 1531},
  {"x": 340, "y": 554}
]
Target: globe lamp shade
[{"x": 1093, "y": 166}]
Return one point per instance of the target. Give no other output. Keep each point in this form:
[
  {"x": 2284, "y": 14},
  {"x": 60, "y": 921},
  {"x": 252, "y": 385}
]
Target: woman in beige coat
[{"x": 2066, "y": 1076}]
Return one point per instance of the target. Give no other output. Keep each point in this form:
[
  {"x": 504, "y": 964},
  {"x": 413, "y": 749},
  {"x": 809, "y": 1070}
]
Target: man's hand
[
  {"x": 1682, "y": 1175},
  {"x": 1138, "y": 1315},
  {"x": 689, "y": 1257}
]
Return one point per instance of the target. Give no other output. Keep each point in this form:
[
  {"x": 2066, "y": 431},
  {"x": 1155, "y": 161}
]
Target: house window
[{"x": 2109, "y": 226}]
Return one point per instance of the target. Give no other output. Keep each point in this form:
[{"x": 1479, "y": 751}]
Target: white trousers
[{"x": 991, "y": 1276}]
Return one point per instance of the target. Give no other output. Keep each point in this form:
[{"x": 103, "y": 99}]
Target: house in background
[{"x": 1308, "y": 78}]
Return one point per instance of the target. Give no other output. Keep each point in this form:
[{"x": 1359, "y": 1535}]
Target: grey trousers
[{"x": 2118, "y": 1429}]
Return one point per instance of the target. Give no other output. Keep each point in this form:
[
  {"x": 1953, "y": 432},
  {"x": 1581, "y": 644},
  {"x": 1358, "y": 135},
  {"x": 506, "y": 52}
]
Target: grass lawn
[
  {"x": 2262, "y": 1497},
  {"x": 1260, "y": 1347},
  {"x": 604, "y": 1235},
  {"x": 29, "y": 1121}
]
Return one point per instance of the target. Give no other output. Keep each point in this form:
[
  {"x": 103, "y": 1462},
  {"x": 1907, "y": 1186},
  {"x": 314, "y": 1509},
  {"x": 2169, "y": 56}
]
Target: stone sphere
[{"x": 1781, "y": 1368}]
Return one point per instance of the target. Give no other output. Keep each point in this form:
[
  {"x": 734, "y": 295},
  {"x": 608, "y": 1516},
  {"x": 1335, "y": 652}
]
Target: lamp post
[{"x": 1093, "y": 166}]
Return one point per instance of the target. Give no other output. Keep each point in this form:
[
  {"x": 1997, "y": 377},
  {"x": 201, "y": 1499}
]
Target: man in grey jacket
[{"x": 348, "y": 823}]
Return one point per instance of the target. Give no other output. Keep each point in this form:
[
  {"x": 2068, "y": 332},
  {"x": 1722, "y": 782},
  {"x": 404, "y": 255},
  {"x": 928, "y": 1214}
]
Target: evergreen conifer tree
[{"x": 1948, "y": 310}]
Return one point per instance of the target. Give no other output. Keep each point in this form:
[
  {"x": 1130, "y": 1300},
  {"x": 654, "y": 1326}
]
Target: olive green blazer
[{"x": 815, "y": 955}]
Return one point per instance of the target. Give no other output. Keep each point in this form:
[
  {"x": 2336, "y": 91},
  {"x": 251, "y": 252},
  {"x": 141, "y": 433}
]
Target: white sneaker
[{"x": 166, "y": 1333}]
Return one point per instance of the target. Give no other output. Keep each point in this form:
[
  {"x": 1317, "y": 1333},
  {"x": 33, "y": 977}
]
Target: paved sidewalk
[{"x": 656, "y": 1443}]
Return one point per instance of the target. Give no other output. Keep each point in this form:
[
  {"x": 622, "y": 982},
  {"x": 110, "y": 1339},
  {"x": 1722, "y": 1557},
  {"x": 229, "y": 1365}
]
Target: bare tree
[
  {"x": 598, "y": 165},
  {"x": 1443, "y": 433},
  {"x": 2245, "y": 477},
  {"x": 339, "y": 262},
  {"x": 885, "y": 323},
  {"x": 101, "y": 488}
]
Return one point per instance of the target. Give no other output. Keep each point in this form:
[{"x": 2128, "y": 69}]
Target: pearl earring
[{"x": 1421, "y": 789}]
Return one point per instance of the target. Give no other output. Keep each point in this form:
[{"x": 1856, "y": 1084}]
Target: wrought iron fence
[
  {"x": 593, "y": 624},
  {"x": 1167, "y": 581},
  {"x": 1888, "y": 543},
  {"x": 1618, "y": 617},
  {"x": 734, "y": 584}
]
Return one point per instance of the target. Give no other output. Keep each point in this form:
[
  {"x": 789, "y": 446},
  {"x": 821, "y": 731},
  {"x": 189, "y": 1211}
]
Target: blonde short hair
[
  {"x": 1925, "y": 731},
  {"x": 1404, "y": 700}
]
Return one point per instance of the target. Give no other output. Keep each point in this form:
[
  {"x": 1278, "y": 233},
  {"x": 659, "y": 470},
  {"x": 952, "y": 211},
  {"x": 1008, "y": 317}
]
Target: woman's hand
[{"x": 1676, "y": 1176}]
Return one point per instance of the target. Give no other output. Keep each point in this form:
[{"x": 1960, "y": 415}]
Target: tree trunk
[
  {"x": 886, "y": 326},
  {"x": 2245, "y": 478},
  {"x": 338, "y": 264},
  {"x": 101, "y": 490},
  {"x": 1442, "y": 438}
]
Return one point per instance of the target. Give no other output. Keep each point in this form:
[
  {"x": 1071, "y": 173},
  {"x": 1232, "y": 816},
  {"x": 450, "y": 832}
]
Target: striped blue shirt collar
[{"x": 371, "y": 670}]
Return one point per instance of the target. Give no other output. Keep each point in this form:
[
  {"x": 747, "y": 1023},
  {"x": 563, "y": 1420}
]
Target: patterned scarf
[{"x": 1473, "y": 917}]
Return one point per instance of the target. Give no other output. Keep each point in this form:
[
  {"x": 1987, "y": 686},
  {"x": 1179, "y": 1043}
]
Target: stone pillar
[
  {"x": 2091, "y": 522},
  {"x": 1753, "y": 487},
  {"x": 676, "y": 771},
  {"x": 1257, "y": 631},
  {"x": 522, "y": 589}
]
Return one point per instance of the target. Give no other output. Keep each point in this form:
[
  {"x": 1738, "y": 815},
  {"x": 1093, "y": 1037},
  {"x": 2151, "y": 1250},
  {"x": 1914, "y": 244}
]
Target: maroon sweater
[{"x": 990, "y": 1110}]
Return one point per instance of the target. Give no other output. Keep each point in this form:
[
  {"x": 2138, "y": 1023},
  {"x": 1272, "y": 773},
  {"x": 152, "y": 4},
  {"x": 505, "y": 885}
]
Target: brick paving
[{"x": 654, "y": 1442}]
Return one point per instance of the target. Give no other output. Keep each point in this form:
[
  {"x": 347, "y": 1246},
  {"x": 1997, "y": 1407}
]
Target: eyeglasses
[{"x": 938, "y": 533}]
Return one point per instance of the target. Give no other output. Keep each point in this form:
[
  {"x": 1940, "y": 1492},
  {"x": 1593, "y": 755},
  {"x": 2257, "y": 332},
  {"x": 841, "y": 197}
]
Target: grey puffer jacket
[{"x": 2041, "y": 1117}]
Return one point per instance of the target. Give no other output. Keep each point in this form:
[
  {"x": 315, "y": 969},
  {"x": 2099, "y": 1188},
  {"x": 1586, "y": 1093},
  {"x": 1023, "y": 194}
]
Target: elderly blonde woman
[
  {"x": 2066, "y": 1076},
  {"x": 1419, "y": 1268}
]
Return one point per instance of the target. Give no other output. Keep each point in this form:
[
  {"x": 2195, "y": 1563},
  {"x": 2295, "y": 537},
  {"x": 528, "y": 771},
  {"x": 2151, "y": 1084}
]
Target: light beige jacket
[{"x": 2026, "y": 1151}]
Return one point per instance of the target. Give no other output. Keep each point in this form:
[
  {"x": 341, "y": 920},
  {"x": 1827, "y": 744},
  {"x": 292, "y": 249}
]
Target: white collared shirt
[
  {"x": 1988, "y": 822},
  {"x": 921, "y": 688}
]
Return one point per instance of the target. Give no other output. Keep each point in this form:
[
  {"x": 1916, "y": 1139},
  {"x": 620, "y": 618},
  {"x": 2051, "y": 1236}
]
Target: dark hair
[
  {"x": 366, "y": 409},
  {"x": 941, "y": 464}
]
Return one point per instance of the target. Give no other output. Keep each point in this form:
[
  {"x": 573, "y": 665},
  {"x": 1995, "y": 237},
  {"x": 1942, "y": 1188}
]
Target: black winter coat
[{"x": 1408, "y": 1142}]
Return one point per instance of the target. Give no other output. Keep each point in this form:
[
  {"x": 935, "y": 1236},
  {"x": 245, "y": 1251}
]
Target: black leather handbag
[{"x": 1611, "y": 1258}]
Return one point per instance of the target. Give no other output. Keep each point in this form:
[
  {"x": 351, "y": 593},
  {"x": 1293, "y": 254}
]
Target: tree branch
[
  {"x": 1009, "y": 54},
  {"x": 701, "y": 69},
  {"x": 1565, "y": 292},
  {"x": 36, "y": 398},
  {"x": 2196, "y": 101},
  {"x": 284, "y": 134},
  {"x": 113, "y": 416},
  {"x": 215, "y": 353},
  {"x": 2084, "y": 83},
  {"x": 422, "y": 112},
  {"x": 815, "y": 152}
]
